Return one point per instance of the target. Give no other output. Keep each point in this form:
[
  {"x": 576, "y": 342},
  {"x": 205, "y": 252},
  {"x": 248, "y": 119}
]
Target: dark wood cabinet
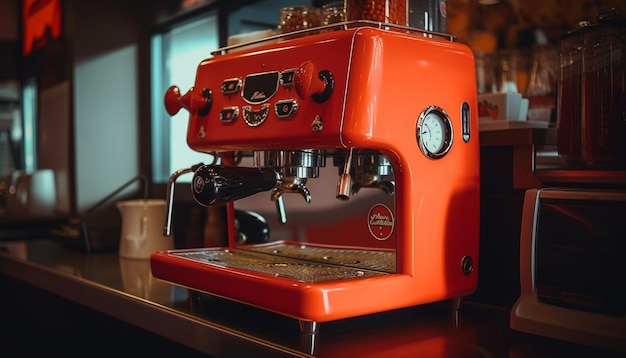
[{"x": 513, "y": 160}]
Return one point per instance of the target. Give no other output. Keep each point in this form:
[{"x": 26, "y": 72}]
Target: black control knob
[{"x": 216, "y": 184}]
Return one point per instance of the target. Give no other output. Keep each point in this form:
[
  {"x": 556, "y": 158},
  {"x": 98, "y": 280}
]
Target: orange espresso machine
[{"x": 358, "y": 146}]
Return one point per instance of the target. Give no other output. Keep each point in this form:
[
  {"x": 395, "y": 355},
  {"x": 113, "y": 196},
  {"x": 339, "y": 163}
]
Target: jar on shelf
[
  {"x": 333, "y": 13},
  {"x": 429, "y": 15},
  {"x": 604, "y": 98},
  {"x": 485, "y": 73},
  {"x": 295, "y": 18},
  {"x": 512, "y": 70},
  {"x": 542, "y": 80},
  {"x": 386, "y": 11},
  {"x": 569, "y": 95}
]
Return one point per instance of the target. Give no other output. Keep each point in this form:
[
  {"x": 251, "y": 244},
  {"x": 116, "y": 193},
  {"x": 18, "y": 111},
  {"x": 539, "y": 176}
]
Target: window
[
  {"x": 175, "y": 58},
  {"x": 29, "y": 103}
]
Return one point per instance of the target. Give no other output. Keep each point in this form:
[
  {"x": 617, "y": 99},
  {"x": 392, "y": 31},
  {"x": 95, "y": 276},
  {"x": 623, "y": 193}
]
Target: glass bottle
[
  {"x": 569, "y": 96},
  {"x": 429, "y": 15},
  {"x": 485, "y": 73},
  {"x": 513, "y": 67},
  {"x": 387, "y": 11},
  {"x": 604, "y": 101},
  {"x": 541, "y": 88},
  {"x": 295, "y": 18},
  {"x": 333, "y": 13}
]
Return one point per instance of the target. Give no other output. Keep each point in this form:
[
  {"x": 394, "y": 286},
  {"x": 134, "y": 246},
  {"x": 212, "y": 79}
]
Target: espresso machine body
[{"x": 370, "y": 135}]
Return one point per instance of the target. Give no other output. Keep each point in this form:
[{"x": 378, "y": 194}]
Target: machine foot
[
  {"x": 456, "y": 307},
  {"x": 309, "y": 335},
  {"x": 309, "y": 327}
]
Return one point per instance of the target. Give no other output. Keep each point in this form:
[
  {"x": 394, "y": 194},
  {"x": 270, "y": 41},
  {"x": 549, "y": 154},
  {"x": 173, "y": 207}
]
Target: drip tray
[{"x": 299, "y": 262}]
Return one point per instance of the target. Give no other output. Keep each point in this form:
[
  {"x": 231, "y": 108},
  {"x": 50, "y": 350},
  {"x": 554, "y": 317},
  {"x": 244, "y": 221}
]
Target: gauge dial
[{"x": 434, "y": 132}]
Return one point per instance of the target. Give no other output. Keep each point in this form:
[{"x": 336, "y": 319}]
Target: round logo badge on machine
[
  {"x": 198, "y": 184},
  {"x": 380, "y": 222}
]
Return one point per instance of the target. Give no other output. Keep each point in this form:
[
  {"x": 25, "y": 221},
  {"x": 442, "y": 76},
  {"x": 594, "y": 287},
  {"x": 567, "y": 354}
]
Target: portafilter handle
[{"x": 217, "y": 184}]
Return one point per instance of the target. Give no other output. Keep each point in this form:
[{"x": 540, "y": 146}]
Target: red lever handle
[
  {"x": 310, "y": 83},
  {"x": 306, "y": 80}
]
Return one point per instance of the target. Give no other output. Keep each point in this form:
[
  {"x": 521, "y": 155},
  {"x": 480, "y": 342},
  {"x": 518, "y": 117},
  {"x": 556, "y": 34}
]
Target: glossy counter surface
[{"x": 125, "y": 290}]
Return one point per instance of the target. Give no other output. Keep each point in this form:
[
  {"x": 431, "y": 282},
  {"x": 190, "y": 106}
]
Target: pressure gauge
[{"x": 434, "y": 132}]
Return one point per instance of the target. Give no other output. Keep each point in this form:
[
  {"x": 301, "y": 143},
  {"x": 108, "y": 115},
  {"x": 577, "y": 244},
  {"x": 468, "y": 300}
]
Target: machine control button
[
  {"x": 229, "y": 114},
  {"x": 286, "y": 77},
  {"x": 255, "y": 118},
  {"x": 286, "y": 108},
  {"x": 467, "y": 265},
  {"x": 231, "y": 86}
]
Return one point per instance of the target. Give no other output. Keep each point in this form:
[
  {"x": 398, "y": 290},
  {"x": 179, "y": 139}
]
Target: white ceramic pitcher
[{"x": 142, "y": 228}]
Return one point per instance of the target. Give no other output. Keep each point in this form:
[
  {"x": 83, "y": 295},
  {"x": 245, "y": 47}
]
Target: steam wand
[{"x": 169, "y": 198}]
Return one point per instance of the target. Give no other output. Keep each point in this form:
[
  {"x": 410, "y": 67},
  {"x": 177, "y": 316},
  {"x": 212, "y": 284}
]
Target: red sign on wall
[{"x": 42, "y": 23}]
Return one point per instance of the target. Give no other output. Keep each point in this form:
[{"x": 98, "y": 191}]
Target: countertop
[{"x": 125, "y": 290}]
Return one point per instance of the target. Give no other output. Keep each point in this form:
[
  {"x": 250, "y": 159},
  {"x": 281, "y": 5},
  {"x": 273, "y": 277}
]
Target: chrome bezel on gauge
[{"x": 445, "y": 141}]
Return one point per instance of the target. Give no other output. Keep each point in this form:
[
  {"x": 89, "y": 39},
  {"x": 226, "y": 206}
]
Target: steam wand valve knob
[
  {"x": 196, "y": 103},
  {"x": 173, "y": 100},
  {"x": 217, "y": 184}
]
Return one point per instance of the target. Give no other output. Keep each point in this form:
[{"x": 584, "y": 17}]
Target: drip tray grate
[
  {"x": 364, "y": 259},
  {"x": 300, "y": 262}
]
